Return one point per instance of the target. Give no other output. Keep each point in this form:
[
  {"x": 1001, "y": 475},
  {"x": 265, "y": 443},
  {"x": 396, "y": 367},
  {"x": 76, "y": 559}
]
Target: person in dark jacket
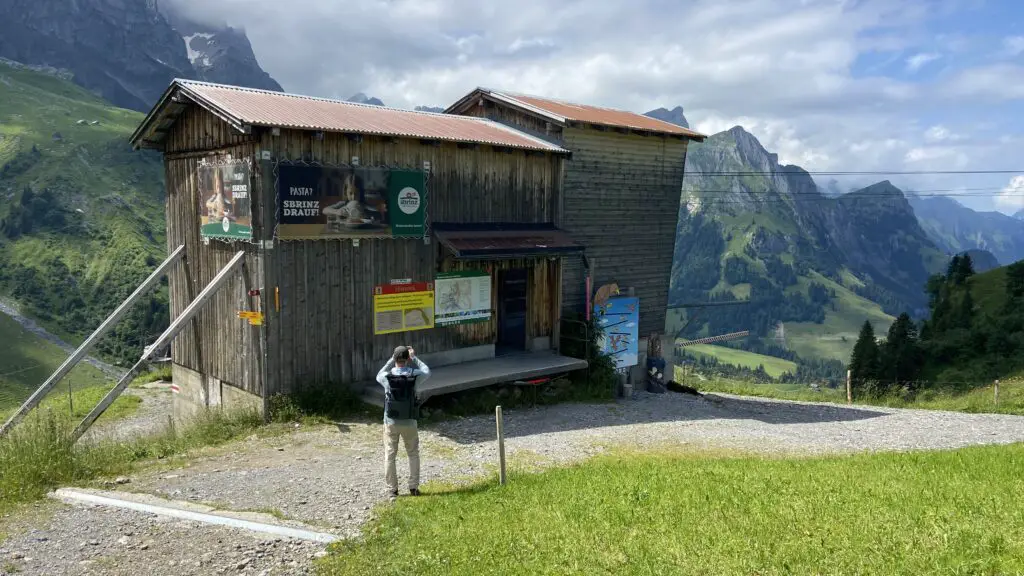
[{"x": 402, "y": 363}]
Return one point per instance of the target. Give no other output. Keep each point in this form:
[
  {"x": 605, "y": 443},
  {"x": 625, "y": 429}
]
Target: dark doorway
[{"x": 512, "y": 286}]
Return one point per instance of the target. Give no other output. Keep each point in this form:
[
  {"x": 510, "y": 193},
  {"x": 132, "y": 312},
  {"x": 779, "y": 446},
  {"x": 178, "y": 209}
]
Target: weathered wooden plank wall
[
  {"x": 524, "y": 121},
  {"x": 217, "y": 343},
  {"x": 621, "y": 201},
  {"x": 324, "y": 329}
]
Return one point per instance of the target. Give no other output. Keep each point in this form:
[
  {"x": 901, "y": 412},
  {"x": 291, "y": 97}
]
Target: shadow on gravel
[{"x": 647, "y": 409}]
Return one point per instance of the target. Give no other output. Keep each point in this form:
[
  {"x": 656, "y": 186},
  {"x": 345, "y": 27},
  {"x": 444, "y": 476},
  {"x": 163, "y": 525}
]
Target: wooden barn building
[
  {"x": 620, "y": 196},
  {"x": 364, "y": 227}
]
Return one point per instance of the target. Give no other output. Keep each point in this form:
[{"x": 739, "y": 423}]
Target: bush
[{"x": 316, "y": 403}]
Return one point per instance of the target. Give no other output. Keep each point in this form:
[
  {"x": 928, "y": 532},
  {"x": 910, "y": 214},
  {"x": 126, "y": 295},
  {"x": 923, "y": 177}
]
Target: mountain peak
[
  {"x": 673, "y": 116},
  {"x": 883, "y": 188},
  {"x": 360, "y": 98}
]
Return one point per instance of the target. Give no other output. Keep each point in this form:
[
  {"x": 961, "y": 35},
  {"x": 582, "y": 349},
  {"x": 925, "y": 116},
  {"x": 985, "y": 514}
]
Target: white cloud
[
  {"x": 939, "y": 133},
  {"x": 996, "y": 82},
  {"x": 792, "y": 72},
  {"x": 1012, "y": 196},
  {"x": 1013, "y": 45},
  {"x": 917, "y": 61}
]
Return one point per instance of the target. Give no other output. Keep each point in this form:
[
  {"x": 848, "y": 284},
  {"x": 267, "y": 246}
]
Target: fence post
[
  {"x": 996, "y": 393},
  {"x": 501, "y": 445},
  {"x": 849, "y": 387}
]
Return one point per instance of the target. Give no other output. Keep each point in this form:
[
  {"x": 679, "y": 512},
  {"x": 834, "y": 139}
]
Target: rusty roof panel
[
  {"x": 562, "y": 111},
  {"x": 248, "y": 106}
]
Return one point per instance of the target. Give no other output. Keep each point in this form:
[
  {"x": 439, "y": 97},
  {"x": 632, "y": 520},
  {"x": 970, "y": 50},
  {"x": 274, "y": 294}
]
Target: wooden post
[
  {"x": 996, "y": 389},
  {"x": 849, "y": 387},
  {"x": 71, "y": 402},
  {"x": 501, "y": 445}
]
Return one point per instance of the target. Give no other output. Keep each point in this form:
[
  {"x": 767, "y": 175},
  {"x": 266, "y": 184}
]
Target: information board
[
  {"x": 403, "y": 307},
  {"x": 462, "y": 297}
]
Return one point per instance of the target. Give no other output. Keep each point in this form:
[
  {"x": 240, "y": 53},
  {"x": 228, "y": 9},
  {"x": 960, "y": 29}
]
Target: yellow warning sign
[{"x": 254, "y": 318}]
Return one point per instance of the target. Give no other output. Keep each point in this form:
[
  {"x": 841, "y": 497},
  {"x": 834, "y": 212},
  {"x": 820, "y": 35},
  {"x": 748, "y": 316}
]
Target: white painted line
[{"x": 284, "y": 531}]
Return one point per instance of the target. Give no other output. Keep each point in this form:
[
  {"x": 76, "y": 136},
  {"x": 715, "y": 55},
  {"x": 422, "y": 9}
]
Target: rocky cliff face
[
  {"x": 956, "y": 228},
  {"x": 674, "y": 116},
  {"x": 780, "y": 212},
  {"x": 126, "y": 51},
  {"x": 221, "y": 54}
]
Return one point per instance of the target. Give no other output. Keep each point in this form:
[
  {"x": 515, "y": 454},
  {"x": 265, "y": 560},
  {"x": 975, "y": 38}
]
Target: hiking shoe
[{"x": 414, "y": 492}]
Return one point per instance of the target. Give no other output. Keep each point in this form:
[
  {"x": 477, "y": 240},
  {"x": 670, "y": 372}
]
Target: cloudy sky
[{"x": 831, "y": 85}]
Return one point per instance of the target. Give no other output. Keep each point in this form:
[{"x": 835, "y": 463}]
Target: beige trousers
[{"x": 410, "y": 436}]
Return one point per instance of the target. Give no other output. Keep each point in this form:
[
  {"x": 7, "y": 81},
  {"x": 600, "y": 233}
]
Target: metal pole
[
  {"x": 501, "y": 445},
  {"x": 91, "y": 341},
  {"x": 997, "y": 393},
  {"x": 162, "y": 342},
  {"x": 71, "y": 402}
]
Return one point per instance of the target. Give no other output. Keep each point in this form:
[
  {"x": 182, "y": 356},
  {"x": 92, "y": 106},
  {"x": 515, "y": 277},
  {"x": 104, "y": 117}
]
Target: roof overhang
[
  {"x": 468, "y": 101},
  {"x": 153, "y": 130},
  {"x": 503, "y": 241},
  {"x": 175, "y": 99}
]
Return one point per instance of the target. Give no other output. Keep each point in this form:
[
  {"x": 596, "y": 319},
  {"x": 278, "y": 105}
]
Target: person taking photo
[{"x": 403, "y": 363}]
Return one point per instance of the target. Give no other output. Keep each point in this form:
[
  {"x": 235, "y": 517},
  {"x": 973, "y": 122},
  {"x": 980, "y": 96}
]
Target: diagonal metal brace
[
  {"x": 80, "y": 354},
  {"x": 163, "y": 341}
]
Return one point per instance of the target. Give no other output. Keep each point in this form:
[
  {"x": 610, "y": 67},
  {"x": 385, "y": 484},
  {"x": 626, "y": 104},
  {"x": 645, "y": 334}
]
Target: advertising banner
[
  {"x": 322, "y": 202},
  {"x": 403, "y": 307},
  {"x": 225, "y": 209},
  {"x": 462, "y": 297},
  {"x": 619, "y": 318}
]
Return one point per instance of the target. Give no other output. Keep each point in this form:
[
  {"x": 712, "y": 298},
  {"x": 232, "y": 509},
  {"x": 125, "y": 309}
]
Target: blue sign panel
[{"x": 619, "y": 318}]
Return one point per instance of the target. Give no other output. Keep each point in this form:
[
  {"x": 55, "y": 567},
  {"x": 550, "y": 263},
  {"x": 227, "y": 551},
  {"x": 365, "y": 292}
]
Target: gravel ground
[
  {"x": 87, "y": 540},
  {"x": 150, "y": 418},
  {"x": 331, "y": 476}
]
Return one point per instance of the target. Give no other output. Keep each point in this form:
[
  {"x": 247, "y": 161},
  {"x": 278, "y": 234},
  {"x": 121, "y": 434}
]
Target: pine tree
[
  {"x": 864, "y": 362},
  {"x": 901, "y": 357},
  {"x": 965, "y": 312}
]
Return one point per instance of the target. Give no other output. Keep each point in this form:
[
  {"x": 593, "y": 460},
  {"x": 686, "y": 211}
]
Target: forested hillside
[
  {"x": 81, "y": 222},
  {"x": 974, "y": 334},
  {"x": 811, "y": 268}
]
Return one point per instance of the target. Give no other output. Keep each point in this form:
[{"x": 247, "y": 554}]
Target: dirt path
[
  {"x": 151, "y": 417},
  {"x": 330, "y": 476}
]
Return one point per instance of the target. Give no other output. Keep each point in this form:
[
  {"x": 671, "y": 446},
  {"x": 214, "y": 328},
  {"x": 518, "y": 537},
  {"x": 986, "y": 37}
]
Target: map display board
[
  {"x": 403, "y": 307},
  {"x": 462, "y": 297},
  {"x": 619, "y": 319}
]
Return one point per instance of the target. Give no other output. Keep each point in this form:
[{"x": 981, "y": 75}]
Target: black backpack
[{"x": 403, "y": 398}]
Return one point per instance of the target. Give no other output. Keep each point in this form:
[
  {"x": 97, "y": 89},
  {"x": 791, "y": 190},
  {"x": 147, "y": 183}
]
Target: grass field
[
  {"x": 978, "y": 400},
  {"x": 775, "y": 367},
  {"x": 922, "y": 513},
  {"x": 826, "y": 340},
  {"x": 26, "y": 360}
]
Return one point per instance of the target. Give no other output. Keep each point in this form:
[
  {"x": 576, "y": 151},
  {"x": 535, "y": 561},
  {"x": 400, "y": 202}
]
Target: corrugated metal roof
[
  {"x": 243, "y": 107},
  {"x": 560, "y": 112}
]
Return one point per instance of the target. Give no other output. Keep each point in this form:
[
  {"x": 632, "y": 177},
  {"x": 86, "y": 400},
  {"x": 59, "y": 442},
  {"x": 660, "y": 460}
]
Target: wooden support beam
[
  {"x": 163, "y": 341},
  {"x": 80, "y": 354}
]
